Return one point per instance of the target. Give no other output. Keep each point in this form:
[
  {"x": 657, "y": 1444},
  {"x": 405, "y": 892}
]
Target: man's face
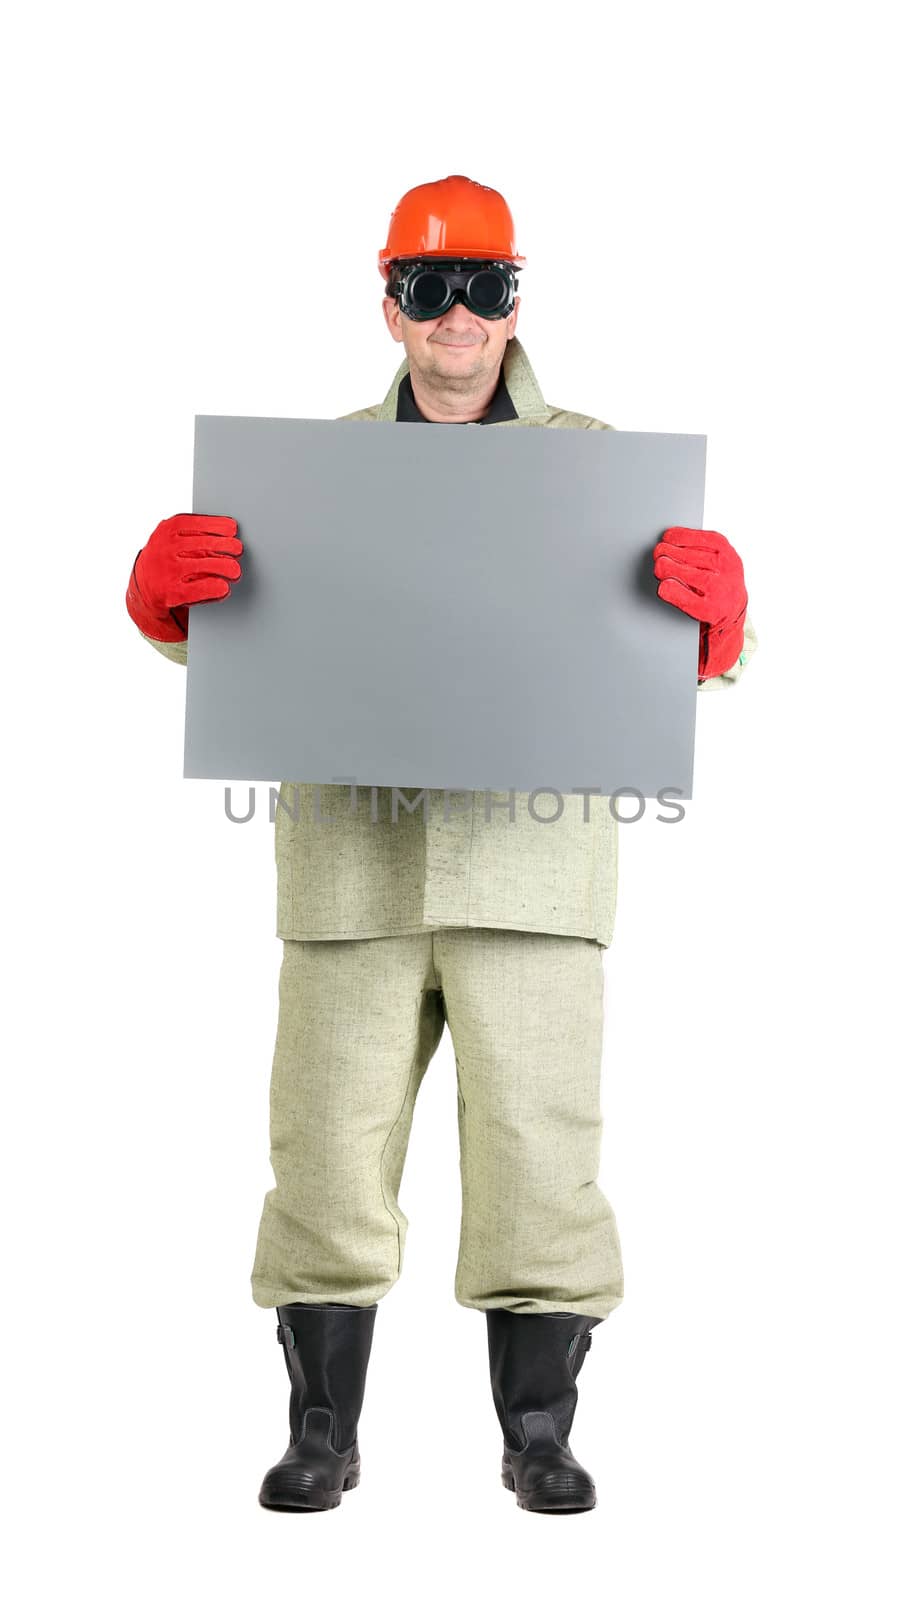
[{"x": 457, "y": 350}]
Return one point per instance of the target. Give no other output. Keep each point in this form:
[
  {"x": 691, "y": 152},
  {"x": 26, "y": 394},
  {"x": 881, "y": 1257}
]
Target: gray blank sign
[{"x": 444, "y": 607}]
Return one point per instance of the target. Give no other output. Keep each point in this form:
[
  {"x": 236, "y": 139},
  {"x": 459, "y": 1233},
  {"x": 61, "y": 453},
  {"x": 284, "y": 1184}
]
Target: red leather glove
[
  {"x": 703, "y": 576},
  {"x": 187, "y": 559}
]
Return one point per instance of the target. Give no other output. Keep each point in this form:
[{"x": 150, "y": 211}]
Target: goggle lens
[
  {"x": 427, "y": 292},
  {"x": 488, "y": 290}
]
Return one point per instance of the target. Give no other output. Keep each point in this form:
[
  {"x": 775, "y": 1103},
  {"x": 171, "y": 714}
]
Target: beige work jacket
[{"x": 356, "y": 865}]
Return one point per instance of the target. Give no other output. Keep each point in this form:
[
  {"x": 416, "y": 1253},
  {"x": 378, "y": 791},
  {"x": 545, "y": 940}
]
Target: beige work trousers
[{"x": 359, "y": 1021}]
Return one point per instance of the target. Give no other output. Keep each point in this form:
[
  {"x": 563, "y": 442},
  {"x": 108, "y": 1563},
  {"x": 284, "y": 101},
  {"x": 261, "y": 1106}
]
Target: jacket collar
[{"x": 522, "y": 387}]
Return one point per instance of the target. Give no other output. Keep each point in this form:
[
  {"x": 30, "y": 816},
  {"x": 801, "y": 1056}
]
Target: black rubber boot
[
  {"x": 534, "y": 1359},
  {"x": 326, "y": 1351}
]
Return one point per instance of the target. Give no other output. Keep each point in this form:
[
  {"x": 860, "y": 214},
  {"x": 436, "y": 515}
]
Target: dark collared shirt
[{"x": 501, "y": 409}]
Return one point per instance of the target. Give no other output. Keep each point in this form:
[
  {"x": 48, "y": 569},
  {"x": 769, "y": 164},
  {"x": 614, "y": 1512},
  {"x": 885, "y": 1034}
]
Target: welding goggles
[{"x": 426, "y": 288}]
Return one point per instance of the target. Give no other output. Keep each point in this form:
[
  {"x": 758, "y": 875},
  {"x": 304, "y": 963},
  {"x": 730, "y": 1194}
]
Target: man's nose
[{"x": 460, "y": 313}]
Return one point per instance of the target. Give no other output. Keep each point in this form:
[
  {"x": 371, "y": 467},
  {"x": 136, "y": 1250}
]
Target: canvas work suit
[{"x": 490, "y": 912}]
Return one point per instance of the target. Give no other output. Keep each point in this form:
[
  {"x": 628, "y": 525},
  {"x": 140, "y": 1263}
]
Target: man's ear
[{"x": 392, "y": 318}]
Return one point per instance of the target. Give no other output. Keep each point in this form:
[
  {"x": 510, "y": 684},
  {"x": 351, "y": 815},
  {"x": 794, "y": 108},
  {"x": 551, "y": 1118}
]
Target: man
[{"x": 398, "y": 919}]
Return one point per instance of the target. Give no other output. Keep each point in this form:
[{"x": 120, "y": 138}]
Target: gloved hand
[
  {"x": 187, "y": 559},
  {"x": 702, "y": 574}
]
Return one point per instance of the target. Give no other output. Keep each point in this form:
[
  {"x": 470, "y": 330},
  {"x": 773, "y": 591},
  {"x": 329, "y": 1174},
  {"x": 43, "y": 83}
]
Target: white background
[{"x": 195, "y": 196}]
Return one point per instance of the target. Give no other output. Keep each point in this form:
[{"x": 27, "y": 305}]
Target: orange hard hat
[{"x": 453, "y": 217}]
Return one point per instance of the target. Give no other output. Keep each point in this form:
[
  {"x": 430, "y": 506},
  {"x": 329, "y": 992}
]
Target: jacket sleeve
[
  {"x": 725, "y": 679},
  {"x": 176, "y": 651}
]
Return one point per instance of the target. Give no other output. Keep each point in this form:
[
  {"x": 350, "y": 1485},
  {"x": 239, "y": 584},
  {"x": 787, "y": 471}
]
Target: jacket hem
[{"x": 432, "y": 927}]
